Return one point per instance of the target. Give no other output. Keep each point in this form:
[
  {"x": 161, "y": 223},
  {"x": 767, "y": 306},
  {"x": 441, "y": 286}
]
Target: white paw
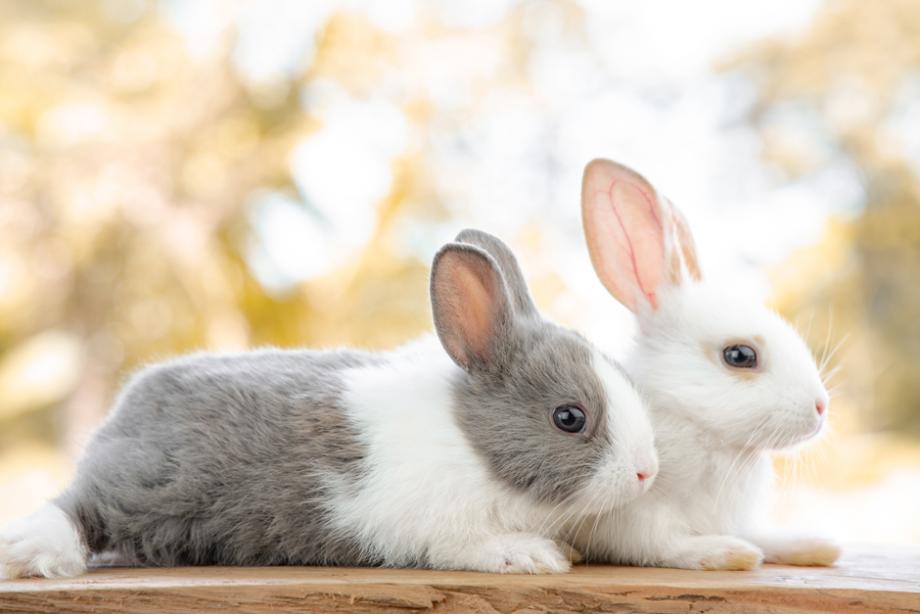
[
  {"x": 813, "y": 552},
  {"x": 521, "y": 553},
  {"x": 730, "y": 553},
  {"x": 716, "y": 552},
  {"x": 573, "y": 555},
  {"x": 43, "y": 544}
]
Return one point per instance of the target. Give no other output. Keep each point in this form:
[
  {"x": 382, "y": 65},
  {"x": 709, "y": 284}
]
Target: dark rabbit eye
[
  {"x": 740, "y": 356},
  {"x": 569, "y": 418}
]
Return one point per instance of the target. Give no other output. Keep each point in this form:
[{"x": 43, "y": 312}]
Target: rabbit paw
[
  {"x": 715, "y": 552},
  {"x": 43, "y": 544},
  {"x": 569, "y": 551},
  {"x": 803, "y": 551},
  {"x": 519, "y": 553}
]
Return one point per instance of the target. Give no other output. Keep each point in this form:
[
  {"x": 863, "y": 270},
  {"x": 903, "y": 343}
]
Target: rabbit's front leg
[
  {"x": 796, "y": 550},
  {"x": 711, "y": 552},
  {"x": 502, "y": 553}
]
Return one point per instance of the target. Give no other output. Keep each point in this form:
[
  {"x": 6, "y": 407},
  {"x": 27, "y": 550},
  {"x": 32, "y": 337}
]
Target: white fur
[
  {"x": 628, "y": 425},
  {"x": 714, "y": 429},
  {"x": 629, "y": 429},
  {"x": 714, "y": 424},
  {"x": 43, "y": 544},
  {"x": 428, "y": 495}
]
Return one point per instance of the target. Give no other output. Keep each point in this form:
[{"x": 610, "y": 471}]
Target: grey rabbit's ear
[
  {"x": 507, "y": 264},
  {"x": 471, "y": 307}
]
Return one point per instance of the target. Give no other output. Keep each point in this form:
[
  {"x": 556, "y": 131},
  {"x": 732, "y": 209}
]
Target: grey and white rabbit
[
  {"x": 463, "y": 455},
  {"x": 727, "y": 381}
]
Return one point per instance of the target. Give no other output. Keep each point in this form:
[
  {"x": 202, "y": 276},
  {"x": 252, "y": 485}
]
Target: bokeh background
[{"x": 186, "y": 174}]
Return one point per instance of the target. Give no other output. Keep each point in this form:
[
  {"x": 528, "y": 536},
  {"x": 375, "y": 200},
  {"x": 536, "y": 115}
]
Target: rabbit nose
[
  {"x": 645, "y": 477},
  {"x": 820, "y": 407},
  {"x": 646, "y": 470}
]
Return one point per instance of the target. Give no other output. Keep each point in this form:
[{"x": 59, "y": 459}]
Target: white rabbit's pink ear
[
  {"x": 638, "y": 241},
  {"x": 685, "y": 247}
]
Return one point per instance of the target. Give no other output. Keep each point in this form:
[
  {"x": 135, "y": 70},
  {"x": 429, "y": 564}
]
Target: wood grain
[{"x": 865, "y": 580}]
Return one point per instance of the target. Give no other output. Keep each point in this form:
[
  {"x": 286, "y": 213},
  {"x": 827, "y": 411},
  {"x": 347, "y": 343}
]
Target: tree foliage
[{"x": 843, "y": 97}]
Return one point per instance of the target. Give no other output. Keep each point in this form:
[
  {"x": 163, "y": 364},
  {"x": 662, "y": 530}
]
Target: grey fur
[
  {"x": 231, "y": 459},
  {"x": 505, "y": 404},
  {"x": 222, "y": 459},
  {"x": 507, "y": 413}
]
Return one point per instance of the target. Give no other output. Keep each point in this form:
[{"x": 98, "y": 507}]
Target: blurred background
[{"x": 185, "y": 174}]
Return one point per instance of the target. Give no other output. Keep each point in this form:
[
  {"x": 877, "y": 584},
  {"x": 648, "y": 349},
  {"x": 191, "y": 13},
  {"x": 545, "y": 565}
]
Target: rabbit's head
[
  {"x": 705, "y": 351},
  {"x": 549, "y": 414}
]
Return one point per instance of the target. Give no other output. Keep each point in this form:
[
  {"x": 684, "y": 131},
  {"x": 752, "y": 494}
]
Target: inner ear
[
  {"x": 475, "y": 310},
  {"x": 470, "y": 306},
  {"x": 638, "y": 241},
  {"x": 624, "y": 228},
  {"x": 507, "y": 265}
]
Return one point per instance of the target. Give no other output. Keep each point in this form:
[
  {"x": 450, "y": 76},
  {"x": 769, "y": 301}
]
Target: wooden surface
[{"x": 865, "y": 580}]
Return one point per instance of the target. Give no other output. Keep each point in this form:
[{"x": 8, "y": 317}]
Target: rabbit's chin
[
  {"x": 796, "y": 444},
  {"x": 784, "y": 441}
]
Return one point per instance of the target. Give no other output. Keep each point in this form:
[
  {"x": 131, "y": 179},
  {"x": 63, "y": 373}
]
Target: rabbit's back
[{"x": 224, "y": 460}]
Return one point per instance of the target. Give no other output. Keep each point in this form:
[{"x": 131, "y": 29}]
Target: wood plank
[{"x": 865, "y": 580}]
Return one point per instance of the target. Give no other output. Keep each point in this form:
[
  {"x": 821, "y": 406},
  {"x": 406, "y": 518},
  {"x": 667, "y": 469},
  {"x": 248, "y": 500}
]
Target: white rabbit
[
  {"x": 727, "y": 381},
  {"x": 458, "y": 455}
]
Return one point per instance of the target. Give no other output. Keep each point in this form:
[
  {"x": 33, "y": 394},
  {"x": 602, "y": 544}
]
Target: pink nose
[
  {"x": 643, "y": 476},
  {"x": 820, "y": 407}
]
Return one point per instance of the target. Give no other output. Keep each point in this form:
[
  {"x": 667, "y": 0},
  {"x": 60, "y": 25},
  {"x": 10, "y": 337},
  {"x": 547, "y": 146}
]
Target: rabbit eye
[
  {"x": 569, "y": 418},
  {"x": 740, "y": 356}
]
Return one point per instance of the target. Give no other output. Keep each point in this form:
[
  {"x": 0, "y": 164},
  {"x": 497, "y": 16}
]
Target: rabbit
[
  {"x": 726, "y": 379},
  {"x": 461, "y": 450}
]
